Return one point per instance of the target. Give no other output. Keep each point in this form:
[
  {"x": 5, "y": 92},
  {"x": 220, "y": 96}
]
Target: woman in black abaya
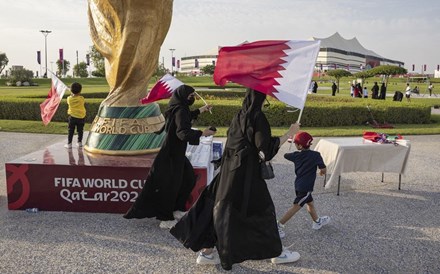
[
  {"x": 171, "y": 177},
  {"x": 235, "y": 213}
]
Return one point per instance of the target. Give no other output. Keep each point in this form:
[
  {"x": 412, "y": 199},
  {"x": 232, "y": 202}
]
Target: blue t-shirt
[{"x": 306, "y": 162}]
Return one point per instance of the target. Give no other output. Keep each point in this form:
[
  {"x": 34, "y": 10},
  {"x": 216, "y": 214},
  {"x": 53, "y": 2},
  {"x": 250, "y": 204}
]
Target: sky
[{"x": 401, "y": 30}]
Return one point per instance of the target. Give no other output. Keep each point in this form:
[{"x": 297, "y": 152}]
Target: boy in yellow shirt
[{"x": 77, "y": 114}]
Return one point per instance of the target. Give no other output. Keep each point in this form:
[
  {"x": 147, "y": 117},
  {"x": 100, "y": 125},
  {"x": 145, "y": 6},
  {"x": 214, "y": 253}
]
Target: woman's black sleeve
[
  {"x": 263, "y": 138},
  {"x": 183, "y": 128}
]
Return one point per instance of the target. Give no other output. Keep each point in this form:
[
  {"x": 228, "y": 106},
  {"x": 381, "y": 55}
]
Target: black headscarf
[
  {"x": 250, "y": 109},
  {"x": 178, "y": 99}
]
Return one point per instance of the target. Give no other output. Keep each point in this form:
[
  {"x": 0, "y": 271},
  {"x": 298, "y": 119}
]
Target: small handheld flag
[
  {"x": 50, "y": 105},
  {"x": 163, "y": 89}
]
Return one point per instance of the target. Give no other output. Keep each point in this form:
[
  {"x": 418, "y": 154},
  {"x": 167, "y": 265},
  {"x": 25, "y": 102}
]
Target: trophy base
[{"x": 126, "y": 130}]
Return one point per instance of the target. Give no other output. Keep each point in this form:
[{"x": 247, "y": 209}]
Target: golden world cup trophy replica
[{"x": 129, "y": 35}]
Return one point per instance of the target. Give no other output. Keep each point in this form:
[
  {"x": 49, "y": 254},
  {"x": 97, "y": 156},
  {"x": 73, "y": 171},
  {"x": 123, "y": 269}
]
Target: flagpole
[
  {"x": 300, "y": 114},
  {"x": 51, "y": 72},
  {"x": 203, "y": 100}
]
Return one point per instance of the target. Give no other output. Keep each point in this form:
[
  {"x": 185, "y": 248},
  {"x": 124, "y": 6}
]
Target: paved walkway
[{"x": 375, "y": 228}]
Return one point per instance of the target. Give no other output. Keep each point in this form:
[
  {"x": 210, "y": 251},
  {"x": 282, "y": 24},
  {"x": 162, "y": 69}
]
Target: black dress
[
  {"x": 171, "y": 177},
  {"x": 334, "y": 88},
  {"x": 235, "y": 212},
  {"x": 383, "y": 92},
  {"x": 375, "y": 91}
]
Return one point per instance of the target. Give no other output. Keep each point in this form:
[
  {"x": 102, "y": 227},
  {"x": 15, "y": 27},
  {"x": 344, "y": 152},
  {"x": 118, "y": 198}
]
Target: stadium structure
[{"x": 337, "y": 52}]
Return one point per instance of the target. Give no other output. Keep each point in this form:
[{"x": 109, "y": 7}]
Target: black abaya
[
  {"x": 236, "y": 212},
  {"x": 171, "y": 177}
]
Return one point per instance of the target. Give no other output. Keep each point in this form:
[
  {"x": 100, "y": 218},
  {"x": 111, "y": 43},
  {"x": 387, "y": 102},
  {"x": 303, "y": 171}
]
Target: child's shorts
[{"x": 303, "y": 198}]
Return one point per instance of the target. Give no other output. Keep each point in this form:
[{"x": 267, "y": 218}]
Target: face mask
[{"x": 191, "y": 101}]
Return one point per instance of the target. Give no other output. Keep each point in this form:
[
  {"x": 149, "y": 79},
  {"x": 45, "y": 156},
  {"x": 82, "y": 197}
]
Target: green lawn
[
  {"x": 93, "y": 85},
  {"x": 416, "y": 129}
]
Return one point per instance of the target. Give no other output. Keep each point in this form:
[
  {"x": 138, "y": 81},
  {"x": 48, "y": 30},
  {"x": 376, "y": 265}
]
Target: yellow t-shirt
[{"x": 76, "y": 106}]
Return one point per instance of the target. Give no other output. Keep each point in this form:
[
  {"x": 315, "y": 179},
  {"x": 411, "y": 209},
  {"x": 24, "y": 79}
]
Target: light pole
[
  {"x": 172, "y": 63},
  {"x": 45, "y": 33},
  {"x": 77, "y": 65}
]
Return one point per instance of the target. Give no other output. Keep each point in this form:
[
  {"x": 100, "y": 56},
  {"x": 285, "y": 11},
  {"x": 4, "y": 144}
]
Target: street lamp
[
  {"x": 45, "y": 33},
  {"x": 172, "y": 63},
  {"x": 77, "y": 65}
]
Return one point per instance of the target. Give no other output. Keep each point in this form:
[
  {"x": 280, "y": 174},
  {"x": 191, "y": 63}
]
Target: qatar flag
[
  {"x": 282, "y": 69},
  {"x": 50, "y": 105},
  {"x": 163, "y": 89}
]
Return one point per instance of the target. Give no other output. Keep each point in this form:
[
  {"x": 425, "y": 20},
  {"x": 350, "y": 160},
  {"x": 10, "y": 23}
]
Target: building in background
[
  {"x": 191, "y": 65},
  {"x": 337, "y": 52}
]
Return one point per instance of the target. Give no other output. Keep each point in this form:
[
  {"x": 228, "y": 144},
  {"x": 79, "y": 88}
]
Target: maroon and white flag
[
  {"x": 163, "y": 89},
  {"x": 50, "y": 105},
  {"x": 282, "y": 69}
]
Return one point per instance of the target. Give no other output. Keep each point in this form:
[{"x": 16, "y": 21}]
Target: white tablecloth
[{"x": 353, "y": 154}]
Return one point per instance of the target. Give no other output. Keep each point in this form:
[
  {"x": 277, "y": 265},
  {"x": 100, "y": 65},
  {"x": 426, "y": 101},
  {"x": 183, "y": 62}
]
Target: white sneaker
[
  {"x": 68, "y": 146},
  {"x": 321, "y": 222},
  {"x": 281, "y": 230},
  {"x": 205, "y": 259},
  {"x": 79, "y": 144},
  {"x": 178, "y": 214},
  {"x": 167, "y": 224},
  {"x": 285, "y": 257}
]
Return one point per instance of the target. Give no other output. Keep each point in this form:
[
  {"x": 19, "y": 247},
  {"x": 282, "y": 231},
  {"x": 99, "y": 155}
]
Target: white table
[{"x": 355, "y": 154}]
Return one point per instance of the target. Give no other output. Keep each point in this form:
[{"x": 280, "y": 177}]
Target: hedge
[{"x": 319, "y": 111}]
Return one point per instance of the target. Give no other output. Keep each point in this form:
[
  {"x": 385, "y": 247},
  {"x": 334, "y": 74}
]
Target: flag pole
[
  {"x": 202, "y": 100},
  {"x": 299, "y": 116},
  {"x": 299, "y": 119}
]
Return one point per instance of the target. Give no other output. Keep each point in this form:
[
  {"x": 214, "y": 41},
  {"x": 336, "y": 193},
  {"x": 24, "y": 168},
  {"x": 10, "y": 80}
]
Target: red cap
[{"x": 304, "y": 139}]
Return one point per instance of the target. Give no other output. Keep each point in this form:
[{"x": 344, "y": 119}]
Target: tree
[
  {"x": 80, "y": 70},
  {"x": 20, "y": 75},
  {"x": 338, "y": 74},
  {"x": 387, "y": 71},
  {"x": 98, "y": 61},
  {"x": 60, "y": 71},
  {"x": 160, "y": 71},
  {"x": 363, "y": 75},
  {"x": 208, "y": 69},
  {"x": 3, "y": 61}
]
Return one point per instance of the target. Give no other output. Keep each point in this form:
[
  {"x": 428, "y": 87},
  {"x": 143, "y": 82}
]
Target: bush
[
  {"x": 20, "y": 75},
  {"x": 320, "y": 111}
]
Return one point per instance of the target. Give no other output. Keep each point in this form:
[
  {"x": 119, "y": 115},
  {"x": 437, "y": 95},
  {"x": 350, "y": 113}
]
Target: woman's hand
[
  {"x": 205, "y": 108},
  {"x": 208, "y": 132},
  {"x": 294, "y": 128}
]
